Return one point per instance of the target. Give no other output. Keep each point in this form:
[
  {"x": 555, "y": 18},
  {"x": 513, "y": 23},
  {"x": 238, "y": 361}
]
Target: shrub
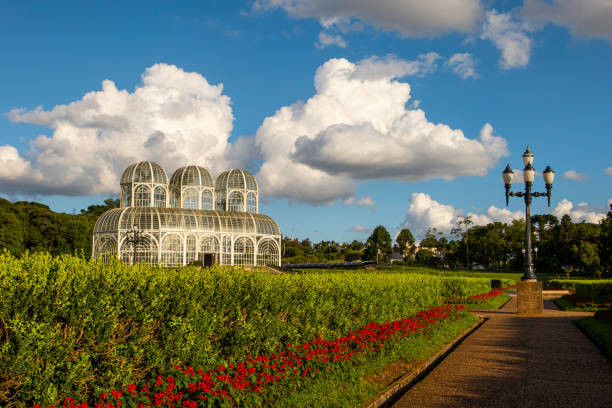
[
  {"x": 594, "y": 291},
  {"x": 72, "y": 327}
]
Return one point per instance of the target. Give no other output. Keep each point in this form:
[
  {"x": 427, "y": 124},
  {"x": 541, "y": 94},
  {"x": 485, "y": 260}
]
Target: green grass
[
  {"x": 494, "y": 303},
  {"x": 599, "y": 331},
  {"x": 569, "y": 306},
  {"x": 351, "y": 388},
  {"x": 515, "y": 276}
]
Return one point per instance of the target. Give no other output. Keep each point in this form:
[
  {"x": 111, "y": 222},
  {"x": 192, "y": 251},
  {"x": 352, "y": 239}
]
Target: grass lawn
[
  {"x": 494, "y": 303},
  {"x": 567, "y": 305},
  {"x": 514, "y": 276},
  {"x": 599, "y": 331},
  {"x": 360, "y": 383}
]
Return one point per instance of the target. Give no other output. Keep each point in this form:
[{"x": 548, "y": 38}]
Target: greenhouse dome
[
  {"x": 144, "y": 184},
  {"x": 173, "y": 224},
  {"x": 236, "y": 190},
  {"x": 192, "y": 187}
]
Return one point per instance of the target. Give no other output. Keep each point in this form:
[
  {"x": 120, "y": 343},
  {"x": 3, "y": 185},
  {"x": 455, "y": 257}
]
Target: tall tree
[
  {"x": 405, "y": 240},
  {"x": 378, "y": 244},
  {"x": 462, "y": 228}
]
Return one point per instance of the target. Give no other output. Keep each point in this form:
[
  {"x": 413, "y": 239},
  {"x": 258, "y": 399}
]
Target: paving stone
[{"x": 515, "y": 361}]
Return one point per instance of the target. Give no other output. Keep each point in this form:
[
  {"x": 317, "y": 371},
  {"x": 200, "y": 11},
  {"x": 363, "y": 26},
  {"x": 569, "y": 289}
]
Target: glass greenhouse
[{"x": 175, "y": 224}]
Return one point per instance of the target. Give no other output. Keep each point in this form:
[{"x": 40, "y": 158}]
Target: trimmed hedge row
[
  {"x": 72, "y": 327},
  {"x": 594, "y": 291},
  {"x": 562, "y": 283}
]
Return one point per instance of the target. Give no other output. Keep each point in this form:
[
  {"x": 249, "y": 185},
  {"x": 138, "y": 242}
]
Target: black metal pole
[{"x": 528, "y": 273}]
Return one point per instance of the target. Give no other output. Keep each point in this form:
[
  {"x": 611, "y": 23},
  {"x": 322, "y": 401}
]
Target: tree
[
  {"x": 378, "y": 244},
  {"x": 464, "y": 222},
  {"x": 405, "y": 240}
]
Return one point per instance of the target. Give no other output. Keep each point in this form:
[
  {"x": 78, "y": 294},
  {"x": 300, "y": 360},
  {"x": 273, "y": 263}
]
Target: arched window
[
  {"x": 126, "y": 195},
  {"x": 226, "y": 258},
  {"x": 236, "y": 202},
  {"x": 172, "y": 250},
  {"x": 190, "y": 199},
  {"x": 267, "y": 253},
  {"x": 243, "y": 251},
  {"x": 191, "y": 249},
  {"x": 251, "y": 203},
  {"x": 160, "y": 197},
  {"x": 106, "y": 248},
  {"x": 207, "y": 200},
  {"x": 142, "y": 196},
  {"x": 220, "y": 205},
  {"x": 145, "y": 251}
]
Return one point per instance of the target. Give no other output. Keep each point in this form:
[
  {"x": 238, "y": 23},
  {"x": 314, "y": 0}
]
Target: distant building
[{"x": 191, "y": 218}]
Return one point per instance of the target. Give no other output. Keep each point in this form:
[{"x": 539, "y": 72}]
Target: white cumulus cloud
[
  {"x": 585, "y": 18},
  {"x": 425, "y": 212},
  {"x": 510, "y": 36},
  {"x": 357, "y": 126},
  {"x": 174, "y": 118},
  {"x": 409, "y": 18},
  {"x": 573, "y": 175},
  {"x": 463, "y": 64},
  {"x": 366, "y": 201},
  {"x": 578, "y": 213},
  {"x": 327, "y": 39}
]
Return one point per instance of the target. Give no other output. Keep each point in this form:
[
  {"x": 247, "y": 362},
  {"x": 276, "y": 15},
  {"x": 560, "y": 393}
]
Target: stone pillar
[{"x": 529, "y": 298}]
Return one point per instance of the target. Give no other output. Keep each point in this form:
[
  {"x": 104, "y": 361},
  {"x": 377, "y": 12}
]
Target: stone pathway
[{"x": 513, "y": 361}]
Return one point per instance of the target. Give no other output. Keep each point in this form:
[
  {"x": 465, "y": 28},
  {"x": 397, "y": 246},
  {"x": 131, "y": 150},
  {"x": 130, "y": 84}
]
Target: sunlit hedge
[{"x": 73, "y": 327}]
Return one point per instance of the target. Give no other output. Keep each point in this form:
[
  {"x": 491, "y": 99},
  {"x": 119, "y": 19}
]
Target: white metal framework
[
  {"x": 236, "y": 190},
  {"x": 176, "y": 222}
]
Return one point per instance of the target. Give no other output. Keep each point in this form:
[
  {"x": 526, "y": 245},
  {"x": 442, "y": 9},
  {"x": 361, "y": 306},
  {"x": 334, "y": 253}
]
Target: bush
[
  {"x": 594, "y": 291},
  {"x": 71, "y": 327}
]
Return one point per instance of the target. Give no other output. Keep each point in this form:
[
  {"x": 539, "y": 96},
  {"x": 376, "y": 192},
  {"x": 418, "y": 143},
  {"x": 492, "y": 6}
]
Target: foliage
[
  {"x": 72, "y": 327},
  {"x": 597, "y": 291},
  {"x": 598, "y": 330},
  {"x": 29, "y": 226},
  {"x": 378, "y": 244},
  {"x": 261, "y": 380}
]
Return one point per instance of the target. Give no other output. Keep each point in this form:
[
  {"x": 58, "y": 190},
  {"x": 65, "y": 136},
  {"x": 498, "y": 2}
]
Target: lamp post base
[{"x": 529, "y": 298}]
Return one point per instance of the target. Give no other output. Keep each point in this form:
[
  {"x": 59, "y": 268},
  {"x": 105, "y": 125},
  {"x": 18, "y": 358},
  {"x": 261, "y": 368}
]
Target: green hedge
[
  {"x": 562, "y": 283},
  {"x": 72, "y": 327},
  {"x": 594, "y": 291}
]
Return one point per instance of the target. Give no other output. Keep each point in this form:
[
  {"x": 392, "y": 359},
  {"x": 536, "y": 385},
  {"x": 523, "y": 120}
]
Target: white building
[{"x": 175, "y": 223}]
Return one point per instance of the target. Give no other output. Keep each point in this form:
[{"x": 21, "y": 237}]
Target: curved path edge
[{"x": 395, "y": 390}]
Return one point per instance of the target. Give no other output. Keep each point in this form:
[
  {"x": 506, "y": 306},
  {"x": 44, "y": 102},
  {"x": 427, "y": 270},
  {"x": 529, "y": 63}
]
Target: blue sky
[{"x": 417, "y": 110}]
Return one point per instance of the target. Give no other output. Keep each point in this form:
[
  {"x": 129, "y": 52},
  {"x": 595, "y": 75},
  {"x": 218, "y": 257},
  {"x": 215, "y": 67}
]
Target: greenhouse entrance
[{"x": 208, "y": 259}]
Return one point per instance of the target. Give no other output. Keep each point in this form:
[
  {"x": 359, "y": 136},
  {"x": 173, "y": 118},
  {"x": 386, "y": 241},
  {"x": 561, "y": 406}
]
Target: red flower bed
[
  {"x": 262, "y": 378},
  {"x": 584, "y": 303}
]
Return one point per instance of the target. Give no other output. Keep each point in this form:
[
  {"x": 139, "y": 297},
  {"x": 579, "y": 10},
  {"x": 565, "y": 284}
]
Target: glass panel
[
  {"x": 190, "y": 199},
  {"x": 221, "y": 202},
  {"x": 142, "y": 196},
  {"x": 227, "y": 251},
  {"x": 236, "y": 202},
  {"x": 243, "y": 251},
  {"x": 267, "y": 253},
  {"x": 172, "y": 250},
  {"x": 251, "y": 203},
  {"x": 207, "y": 200},
  {"x": 145, "y": 251},
  {"x": 160, "y": 197},
  {"x": 191, "y": 249},
  {"x": 126, "y": 195},
  {"x": 142, "y": 173}
]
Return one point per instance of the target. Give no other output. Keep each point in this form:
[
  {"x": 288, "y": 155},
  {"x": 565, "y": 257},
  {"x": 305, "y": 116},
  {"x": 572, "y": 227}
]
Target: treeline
[
  {"x": 34, "y": 227},
  {"x": 559, "y": 246}
]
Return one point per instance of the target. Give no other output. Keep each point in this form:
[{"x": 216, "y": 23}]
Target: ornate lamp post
[
  {"x": 528, "y": 175},
  {"x": 134, "y": 237}
]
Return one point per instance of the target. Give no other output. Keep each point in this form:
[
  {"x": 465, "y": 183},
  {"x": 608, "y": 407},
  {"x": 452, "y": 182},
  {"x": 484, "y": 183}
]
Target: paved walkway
[{"x": 513, "y": 361}]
